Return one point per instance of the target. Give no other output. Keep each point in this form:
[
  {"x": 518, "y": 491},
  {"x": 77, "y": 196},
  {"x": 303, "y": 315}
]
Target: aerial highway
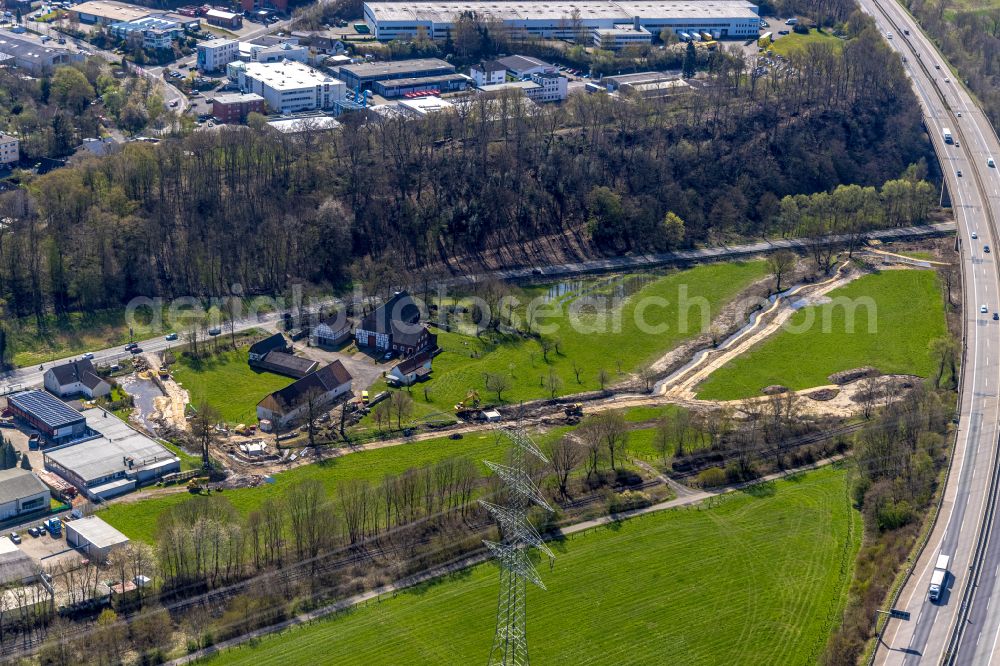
[{"x": 961, "y": 627}]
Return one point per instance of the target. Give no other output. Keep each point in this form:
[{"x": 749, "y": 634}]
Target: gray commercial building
[
  {"x": 442, "y": 83},
  {"x": 113, "y": 462},
  {"x": 33, "y": 56},
  {"x": 94, "y": 537},
  {"x": 21, "y": 494},
  {"x": 56, "y": 422},
  {"x": 364, "y": 75},
  {"x": 564, "y": 19}
]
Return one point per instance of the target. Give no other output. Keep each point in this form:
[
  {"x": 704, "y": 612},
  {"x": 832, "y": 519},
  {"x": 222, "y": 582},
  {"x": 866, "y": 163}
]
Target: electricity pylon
[{"x": 510, "y": 644}]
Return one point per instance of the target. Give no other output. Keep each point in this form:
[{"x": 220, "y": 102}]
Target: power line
[{"x": 517, "y": 535}]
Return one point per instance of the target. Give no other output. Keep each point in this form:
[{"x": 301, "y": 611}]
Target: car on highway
[
  {"x": 990, "y": 163},
  {"x": 983, "y": 309},
  {"x": 947, "y": 80},
  {"x": 136, "y": 350},
  {"x": 130, "y": 346},
  {"x": 959, "y": 114},
  {"x": 986, "y": 249},
  {"x": 974, "y": 235},
  {"x": 173, "y": 336},
  {"x": 937, "y": 66},
  {"x": 959, "y": 173},
  {"x": 889, "y": 35},
  {"x": 88, "y": 356},
  {"x": 996, "y": 316}
]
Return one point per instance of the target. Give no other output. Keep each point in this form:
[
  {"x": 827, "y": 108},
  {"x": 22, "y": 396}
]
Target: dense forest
[
  {"x": 198, "y": 213},
  {"x": 970, "y": 38},
  {"x": 54, "y": 113}
]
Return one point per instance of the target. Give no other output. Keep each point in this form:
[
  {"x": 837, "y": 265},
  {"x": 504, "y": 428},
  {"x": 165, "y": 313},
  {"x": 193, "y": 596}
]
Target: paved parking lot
[
  {"x": 47, "y": 549},
  {"x": 362, "y": 367}
]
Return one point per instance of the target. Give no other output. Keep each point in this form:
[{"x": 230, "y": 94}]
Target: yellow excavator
[
  {"x": 574, "y": 413},
  {"x": 471, "y": 401}
]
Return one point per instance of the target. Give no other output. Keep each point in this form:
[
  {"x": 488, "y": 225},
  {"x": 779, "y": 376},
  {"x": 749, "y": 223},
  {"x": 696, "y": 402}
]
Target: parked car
[
  {"x": 15, "y": 537},
  {"x": 33, "y": 531}
]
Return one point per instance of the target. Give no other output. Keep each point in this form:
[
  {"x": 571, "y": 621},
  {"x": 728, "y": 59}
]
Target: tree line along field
[
  {"x": 908, "y": 314},
  {"x": 138, "y": 519},
  {"x": 757, "y": 577}
]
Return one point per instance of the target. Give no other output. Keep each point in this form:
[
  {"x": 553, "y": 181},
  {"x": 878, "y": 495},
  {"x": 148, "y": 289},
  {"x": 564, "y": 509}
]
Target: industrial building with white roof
[
  {"x": 115, "y": 461},
  {"x": 721, "y": 18},
  {"x": 289, "y": 86}
]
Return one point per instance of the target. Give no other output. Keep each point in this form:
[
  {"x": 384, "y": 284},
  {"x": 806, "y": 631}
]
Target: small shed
[{"x": 94, "y": 537}]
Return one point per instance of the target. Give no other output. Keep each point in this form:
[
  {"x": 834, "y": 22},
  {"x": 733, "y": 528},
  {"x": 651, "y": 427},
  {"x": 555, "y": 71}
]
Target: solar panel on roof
[{"x": 47, "y": 408}]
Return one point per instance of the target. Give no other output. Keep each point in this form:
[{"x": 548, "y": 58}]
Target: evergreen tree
[
  {"x": 690, "y": 60},
  {"x": 8, "y": 456},
  {"x": 25, "y": 463}
]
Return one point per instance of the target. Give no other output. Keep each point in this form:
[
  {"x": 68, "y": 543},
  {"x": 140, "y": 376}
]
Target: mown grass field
[
  {"x": 760, "y": 578},
  {"x": 188, "y": 461},
  {"x": 138, "y": 520},
  {"x": 793, "y": 42},
  {"x": 908, "y": 313},
  {"x": 227, "y": 383},
  {"x": 613, "y": 340}
]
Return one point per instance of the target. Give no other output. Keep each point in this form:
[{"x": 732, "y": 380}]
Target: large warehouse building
[
  {"x": 116, "y": 461},
  {"x": 722, "y": 18},
  {"x": 289, "y": 86}
]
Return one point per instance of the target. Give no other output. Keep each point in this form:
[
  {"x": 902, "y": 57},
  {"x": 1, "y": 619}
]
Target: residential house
[
  {"x": 395, "y": 326},
  {"x": 10, "y": 151},
  {"x": 488, "y": 72},
  {"x": 332, "y": 331},
  {"x": 76, "y": 378},
  {"x": 411, "y": 370},
  {"x": 291, "y": 403},
  {"x": 272, "y": 355},
  {"x": 522, "y": 67},
  {"x": 262, "y": 348},
  {"x": 289, "y": 365}
]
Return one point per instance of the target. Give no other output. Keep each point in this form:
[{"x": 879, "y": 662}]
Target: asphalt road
[
  {"x": 925, "y": 637},
  {"x": 23, "y": 378}
]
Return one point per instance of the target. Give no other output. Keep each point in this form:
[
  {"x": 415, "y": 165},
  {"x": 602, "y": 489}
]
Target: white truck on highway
[
  {"x": 947, "y": 134},
  {"x": 939, "y": 577}
]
